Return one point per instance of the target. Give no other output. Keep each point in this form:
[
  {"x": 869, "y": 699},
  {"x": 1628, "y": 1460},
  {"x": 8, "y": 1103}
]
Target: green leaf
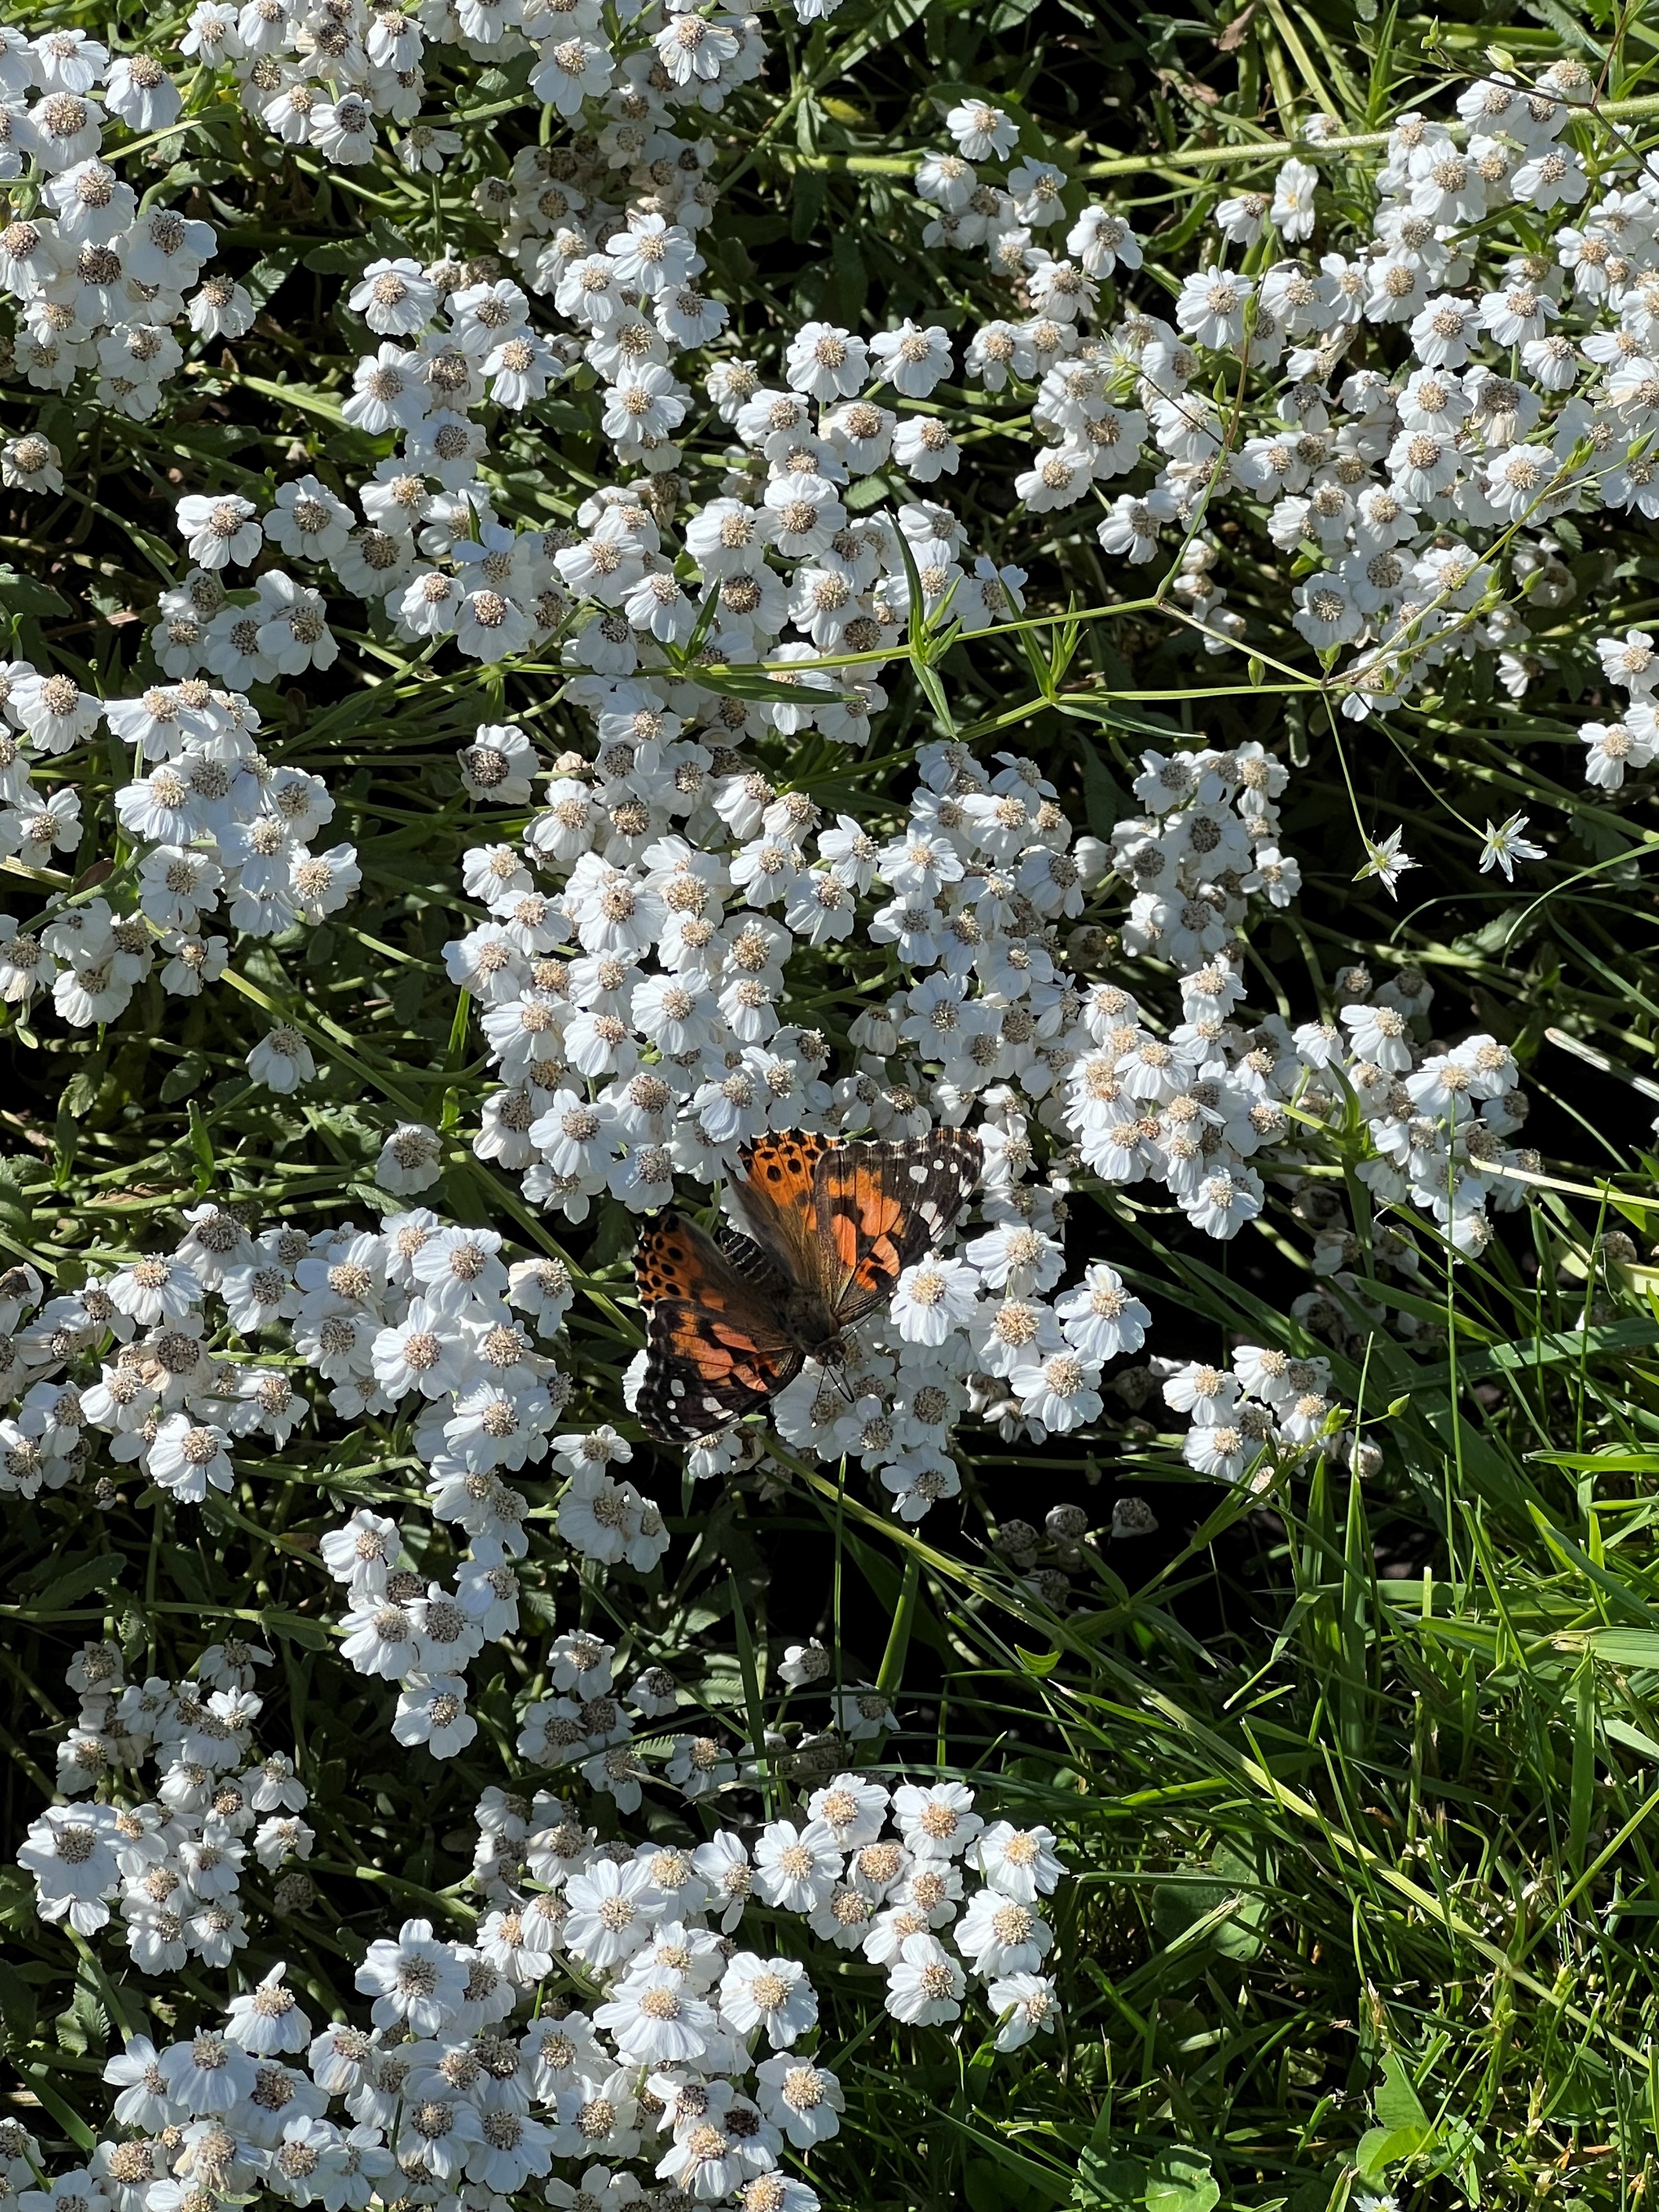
[
  {"x": 1382, "y": 2148},
  {"x": 1637, "y": 1649},
  {"x": 101, "y": 1573},
  {"x": 1403, "y": 2128},
  {"x": 266, "y": 278},
  {"x": 201, "y": 1144},
  {"x": 26, "y": 595},
  {"x": 1105, "y": 2184},
  {"x": 80, "y": 1095},
  {"x": 17, "y": 2014},
  {"x": 345, "y": 257},
  {"x": 1181, "y": 2181},
  {"x": 65, "y": 2115},
  {"x": 295, "y": 1629},
  {"x": 184, "y": 1076},
  {"x": 1104, "y": 800}
]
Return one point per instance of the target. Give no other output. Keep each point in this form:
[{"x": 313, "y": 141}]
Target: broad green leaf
[
  {"x": 1397, "y": 2103},
  {"x": 1181, "y": 2181},
  {"x": 1105, "y": 2184}
]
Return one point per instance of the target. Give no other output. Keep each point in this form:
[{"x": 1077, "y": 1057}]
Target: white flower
[
  {"x": 802, "y": 2099},
  {"x": 282, "y": 1061},
  {"x": 919, "y": 1480},
  {"x": 1035, "y": 188},
  {"x": 308, "y": 521},
  {"x": 1612, "y": 747},
  {"x": 796, "y": 1867},
  {"x": 998, "y": 1935},
  {"x": 1504, "y": 845},
  {"x": 913, "y": 359},
  {"x": 1017, "y": 1862},
  {"x": 1292, "y": 213},
  {"x": 1219, "y": 1450},
  {"x": 343, "y": 129},
  {"x": 852, "y": 1807},
  {"x": 1102, "y": 1319},
  {"x": 925, "y": 1986},
  {"x": 613, "y": 1910},
  {"x": 1224, "y": 1201},
  {"x": 1026, "y": 2005},
  {"x": 188, "y": 1457},
  {"x": 981, "y": 132},
  {"x": 53, "y": 711},
  {"x": 657, "y": 2021},
  {"x": 827, "y": 362},
  {"x": 1325, "y": 615},
  {"x": 932, "y": 1298},
  {"x": 770, "y": 1993},
  {"x": 433, "y": 1711},
  {"x": 210, "y": 2073},
  {"x": 1388, "y": 861},
  {"x": 1060, "y": 1392},
  {"x": 220, "y": 532},
  {"x": 414, "y": 1981},
  {"x": 266, "y": 2019},
  {"x": 1211, "y": 307},
  {"x": 938, "y": 1822},
  {"x": 69, "y": 1852},
  {"x": 1381, "y": 1034},
  {"x": 411, "y": 1159}
]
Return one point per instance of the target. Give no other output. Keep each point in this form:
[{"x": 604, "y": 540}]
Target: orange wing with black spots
[
  {"x": 714, "y": 1348},
  {"x": 778, "y": 1199},
  {"x": 881, "y": 1208}
]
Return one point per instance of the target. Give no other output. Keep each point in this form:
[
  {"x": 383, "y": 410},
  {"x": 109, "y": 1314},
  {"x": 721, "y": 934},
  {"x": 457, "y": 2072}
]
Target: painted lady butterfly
[{"x": 732, "y": 1318}]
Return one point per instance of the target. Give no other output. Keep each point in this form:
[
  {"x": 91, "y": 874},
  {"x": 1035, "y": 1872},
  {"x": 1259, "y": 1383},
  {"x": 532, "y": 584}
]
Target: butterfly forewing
[
  {"x": 778, "y": 1200},
  {"x": 881, "y": 1208},
  {"x": 715, "y": 1351}
]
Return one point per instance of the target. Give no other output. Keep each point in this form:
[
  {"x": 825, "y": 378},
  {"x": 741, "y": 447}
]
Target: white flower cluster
[
  {"x": 610, "y": 2022},
  {"x": 1631, "y": 664},
  {"x": 432, "y": 553},
  {"x": 1525, "y": 390},
  {"x": 1189, "y": 1109},
  {"x": 404, "y": 1627},
  {"x": 1437, "y": 1119},
  {"x": 172, "y": 1866},
  {"x": 638, "y": 1008},
  {"x": 430, "y": 548},
  {"x": 328, "y": 77},
  {"x": 127, "y": 1357},
  {"x": 1268, "y": 1406},
  {"x": 209, "y": 825},
  {"x": 100, "y": 280}
]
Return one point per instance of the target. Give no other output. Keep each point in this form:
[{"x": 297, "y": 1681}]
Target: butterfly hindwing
[
  {"x": 715, "y": 1351},
  {"x": 881, "y": 1208}
]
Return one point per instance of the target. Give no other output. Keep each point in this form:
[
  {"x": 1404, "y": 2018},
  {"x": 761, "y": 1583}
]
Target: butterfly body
[{"x": 829, "y": 1229}]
